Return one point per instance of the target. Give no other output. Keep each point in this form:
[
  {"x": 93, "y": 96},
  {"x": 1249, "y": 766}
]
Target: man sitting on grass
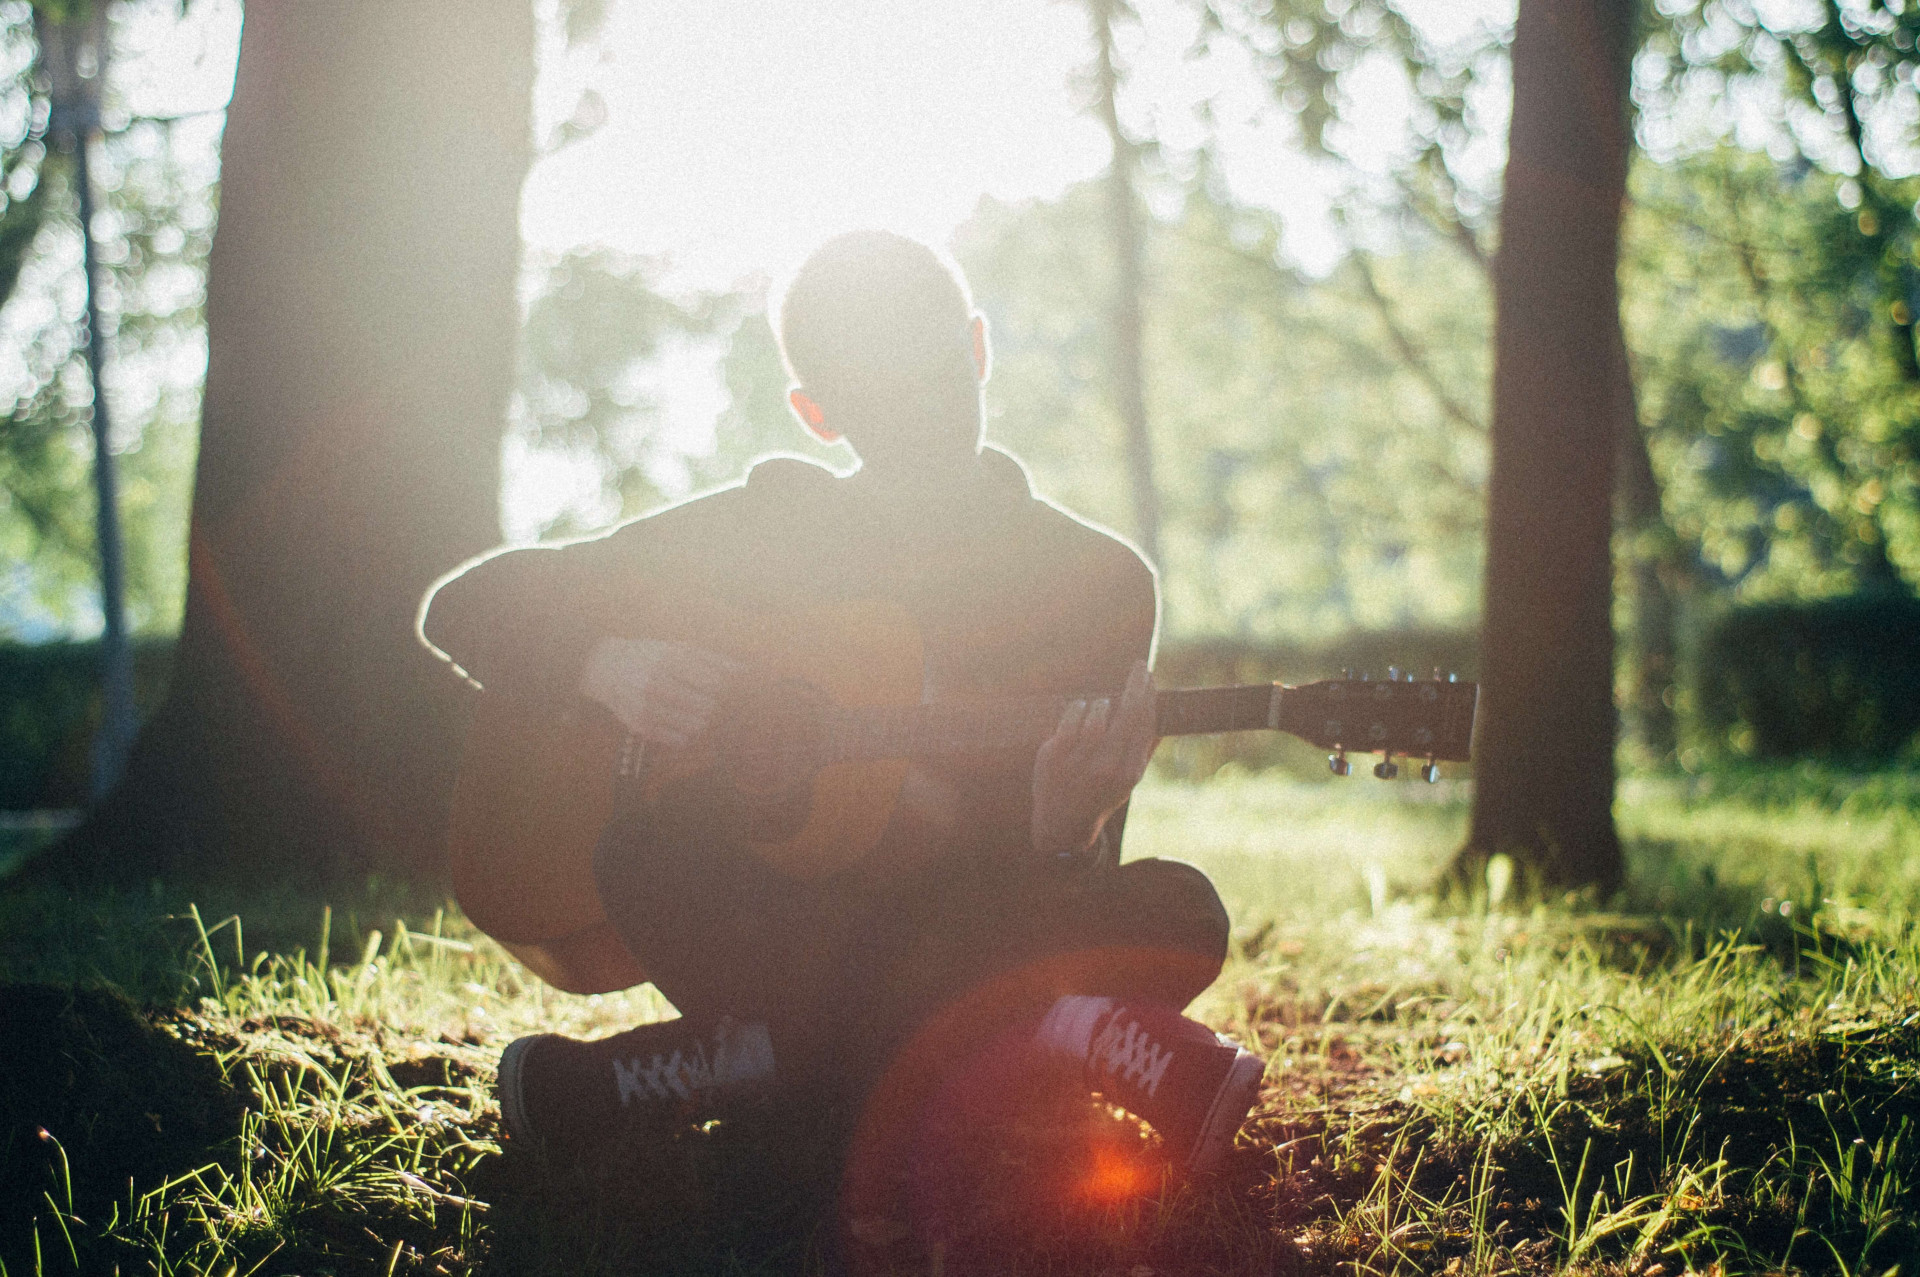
[{"x": 993, "y": 916}]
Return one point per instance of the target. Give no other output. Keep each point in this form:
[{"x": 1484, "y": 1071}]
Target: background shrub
[
  {"x": 49, "y": 706},
  {"x": 1838, "y": 679}
]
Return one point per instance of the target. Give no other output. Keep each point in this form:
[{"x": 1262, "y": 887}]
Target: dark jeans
[{"x": 845, "y": 970}]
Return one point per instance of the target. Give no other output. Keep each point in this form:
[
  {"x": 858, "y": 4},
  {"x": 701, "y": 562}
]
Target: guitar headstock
[{"x": 1428, "y": 719}]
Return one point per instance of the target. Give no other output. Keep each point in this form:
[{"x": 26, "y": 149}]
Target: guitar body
[{"x": 536, "y": 788}]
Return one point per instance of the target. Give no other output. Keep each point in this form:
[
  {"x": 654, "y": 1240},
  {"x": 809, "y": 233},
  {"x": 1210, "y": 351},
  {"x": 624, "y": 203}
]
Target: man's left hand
[{"x": 1089, "y": 766}]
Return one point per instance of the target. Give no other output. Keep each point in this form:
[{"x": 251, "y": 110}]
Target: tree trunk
[
  {"x": 1123, "y": 222},
  {"x": 1544, "y": 759},
  {"x": 361, "y": 325}
]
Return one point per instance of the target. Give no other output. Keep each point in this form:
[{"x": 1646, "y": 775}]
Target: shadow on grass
[
  {"x": 747, "y": 1192},
  {"x": 1071, "y": 1187},
  {"x": 97, "y": 1104}
]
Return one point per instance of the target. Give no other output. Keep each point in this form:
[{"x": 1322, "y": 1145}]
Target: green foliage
[
  {"x": 21, "y": 218},
  {"x": 1777, "y": 351},
  {"x": 598, "y": 338},
  {"x": 49, "y": 707},
  {"x": 1770, "y": 305},
  {"x": 582, "y": 20},
  {"x": 593, "y": 325},
  {"x": 1843, "y": 67},
  {"x": 1311, "y": 481},
  {"x": 1782, "y": 413},
  {"x": 1834, "y": 679},
  {"x": 757, "y": 420},
  {"x": 155, "y": 227},
  {"x": 1309, "y": 51}
]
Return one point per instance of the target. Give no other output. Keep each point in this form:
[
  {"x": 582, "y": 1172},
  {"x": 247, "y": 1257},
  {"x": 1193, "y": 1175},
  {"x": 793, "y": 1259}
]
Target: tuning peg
[
  {"x": 1338, "y": 764},
  {"x": 1436, "y": 673},
  {"x": 1453, "y": 678},
  {"x": 1393, "y": 673},
  {"x": 1346, "y": 672},
  {"x": 1430, "y": 771},
  {"x": 1386, "y": 769}
]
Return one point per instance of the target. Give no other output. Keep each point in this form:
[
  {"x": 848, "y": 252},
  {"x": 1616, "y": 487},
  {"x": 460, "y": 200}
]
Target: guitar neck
[
  {"x": 1201, "y": 711},
  {"x": 988, "y": 726}
]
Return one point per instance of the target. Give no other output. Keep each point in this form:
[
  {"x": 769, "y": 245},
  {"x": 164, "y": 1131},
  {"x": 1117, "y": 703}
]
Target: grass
[{"x": 1718, "y": 1072}]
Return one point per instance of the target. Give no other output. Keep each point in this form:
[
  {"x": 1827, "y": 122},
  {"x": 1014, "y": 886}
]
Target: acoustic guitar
[{"x": 815, "y": 747}]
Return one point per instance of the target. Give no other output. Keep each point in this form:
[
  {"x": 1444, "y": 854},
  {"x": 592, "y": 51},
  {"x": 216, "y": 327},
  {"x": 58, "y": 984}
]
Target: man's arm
[
  {"x": 526, "y": 621},
  {"x": 532, "y": 622},
  {"x": 1115, "y": 640},
  {"x": 517, "y": 621}
]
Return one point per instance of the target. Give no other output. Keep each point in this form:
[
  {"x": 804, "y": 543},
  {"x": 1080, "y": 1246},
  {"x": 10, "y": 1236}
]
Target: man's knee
[{"x": 1182, "y": 910}]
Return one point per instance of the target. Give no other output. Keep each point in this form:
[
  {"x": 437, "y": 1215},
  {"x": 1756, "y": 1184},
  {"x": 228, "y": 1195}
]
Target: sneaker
[
  {"x": 561, "y": 1091},
  {"x": 1193, "y": 1085}
]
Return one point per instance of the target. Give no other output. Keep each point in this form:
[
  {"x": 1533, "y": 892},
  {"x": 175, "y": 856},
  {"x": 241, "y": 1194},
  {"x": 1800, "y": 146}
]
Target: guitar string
[{"x": 913, "y": 730}]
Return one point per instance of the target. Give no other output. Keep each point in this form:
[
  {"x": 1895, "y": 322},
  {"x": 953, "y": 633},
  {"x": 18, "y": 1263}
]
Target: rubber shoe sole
[
  {"x": 1231, "y": 1104},
  {"x": 512, "y": 1086}
]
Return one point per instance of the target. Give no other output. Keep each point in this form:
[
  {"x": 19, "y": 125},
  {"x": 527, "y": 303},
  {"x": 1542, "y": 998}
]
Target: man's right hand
[{"x": 664, "y": 693}]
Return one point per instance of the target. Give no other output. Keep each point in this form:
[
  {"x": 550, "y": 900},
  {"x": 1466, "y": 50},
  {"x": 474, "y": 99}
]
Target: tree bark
[
  {"x": 361, "y": 326},
  {"x": 1544, "y": 770},
  {"x": 1124, "y": 323}
]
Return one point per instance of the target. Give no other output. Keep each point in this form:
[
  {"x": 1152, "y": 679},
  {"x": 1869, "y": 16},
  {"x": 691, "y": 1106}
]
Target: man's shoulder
[
  {"x": 1072, "y": 566},
  {"x": 784, "y": 495},
  {"x": 1095, "y": 544},
  {"x": 1083, "y": 545}
]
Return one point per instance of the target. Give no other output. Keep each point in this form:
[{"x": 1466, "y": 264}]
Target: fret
[
  {"x": 1000, "y": 723},
  {"x": 1430, "y": 719},
  {"x": 1202, "y": 710}
]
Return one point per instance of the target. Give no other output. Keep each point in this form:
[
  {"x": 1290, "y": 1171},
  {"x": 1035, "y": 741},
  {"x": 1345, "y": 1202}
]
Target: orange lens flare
[{"x": 1115, "y": 1177}]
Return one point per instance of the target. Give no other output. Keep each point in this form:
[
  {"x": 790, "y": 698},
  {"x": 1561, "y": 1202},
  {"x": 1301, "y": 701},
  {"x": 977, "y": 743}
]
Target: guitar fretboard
[{"x": 986, "y": 726}]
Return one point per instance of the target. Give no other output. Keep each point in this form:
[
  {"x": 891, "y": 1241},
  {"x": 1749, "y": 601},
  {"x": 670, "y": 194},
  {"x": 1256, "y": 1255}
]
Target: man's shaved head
[{"x": 878, "y": 329}]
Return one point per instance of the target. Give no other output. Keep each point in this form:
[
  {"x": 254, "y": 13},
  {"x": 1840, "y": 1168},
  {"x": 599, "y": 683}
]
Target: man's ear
[
  {"x": 811, "y": 416},
  {"x": 982, "y": 352}
]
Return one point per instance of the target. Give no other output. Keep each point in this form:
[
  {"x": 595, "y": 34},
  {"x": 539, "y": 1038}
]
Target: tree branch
[{"x": 1410, "y": 352}]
